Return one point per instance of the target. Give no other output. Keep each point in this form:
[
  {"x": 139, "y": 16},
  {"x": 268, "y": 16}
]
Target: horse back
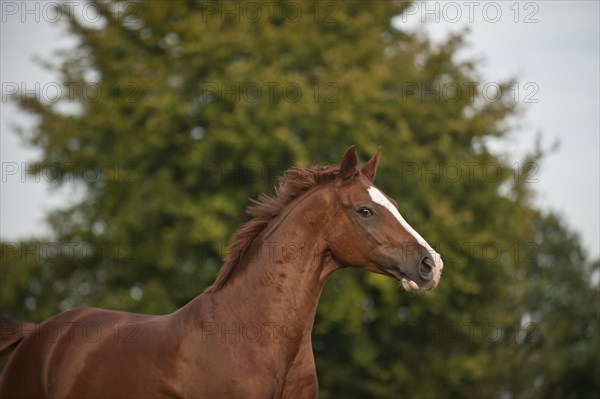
[
  {"x": 66, "y": 355},
  {"x": 12, "y": 332}
]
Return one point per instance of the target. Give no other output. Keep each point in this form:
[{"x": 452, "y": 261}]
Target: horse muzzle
[{"x": 427, "y": 275}]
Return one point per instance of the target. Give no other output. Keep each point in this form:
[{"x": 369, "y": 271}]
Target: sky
[{"x": 550, "y": 48}]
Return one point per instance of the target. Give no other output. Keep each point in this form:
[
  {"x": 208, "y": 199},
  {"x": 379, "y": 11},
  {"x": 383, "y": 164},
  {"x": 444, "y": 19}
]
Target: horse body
[
  {"x": 71, "y": 353},
  {"x": 248, "y": 335},
  {"x": 248, "y": 328},
  {"x": 158, "y": 356}
]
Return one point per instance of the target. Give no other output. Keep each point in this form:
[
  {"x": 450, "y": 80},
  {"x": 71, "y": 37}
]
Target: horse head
[{"x": 370, "y": 233}]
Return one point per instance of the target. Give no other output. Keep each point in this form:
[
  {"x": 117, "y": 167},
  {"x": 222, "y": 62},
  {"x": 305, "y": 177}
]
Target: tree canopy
[{"x": 181, "y": 111}]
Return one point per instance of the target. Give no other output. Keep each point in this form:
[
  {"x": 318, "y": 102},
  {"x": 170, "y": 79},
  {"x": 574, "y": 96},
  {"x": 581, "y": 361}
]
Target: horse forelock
[{"x": 292, "y": 184}]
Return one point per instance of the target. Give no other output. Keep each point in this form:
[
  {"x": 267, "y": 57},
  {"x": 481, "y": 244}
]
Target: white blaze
[{"x": 378, "y": 197}]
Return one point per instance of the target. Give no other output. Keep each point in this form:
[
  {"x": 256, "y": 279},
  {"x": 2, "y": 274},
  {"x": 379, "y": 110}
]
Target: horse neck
[{"x": 282, "y": 281}]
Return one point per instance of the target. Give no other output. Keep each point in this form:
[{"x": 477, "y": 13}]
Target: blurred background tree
[{"x": 185, "y": 109}]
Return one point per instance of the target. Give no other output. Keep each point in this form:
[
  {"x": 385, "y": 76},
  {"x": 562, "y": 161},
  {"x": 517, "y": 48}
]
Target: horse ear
[
  {"x": 348, "y": 164},
  {"x": 369, "y": 169}
]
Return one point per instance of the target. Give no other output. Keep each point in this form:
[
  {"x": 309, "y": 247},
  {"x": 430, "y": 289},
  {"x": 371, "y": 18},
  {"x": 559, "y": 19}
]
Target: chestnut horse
[{"x": 249, "y": 334}]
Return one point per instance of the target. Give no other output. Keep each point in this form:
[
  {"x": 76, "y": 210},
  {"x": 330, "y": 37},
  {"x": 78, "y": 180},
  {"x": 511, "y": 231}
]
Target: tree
[
  {"x": 559, "y": 344},
  {"x": 185, "y": 109}
]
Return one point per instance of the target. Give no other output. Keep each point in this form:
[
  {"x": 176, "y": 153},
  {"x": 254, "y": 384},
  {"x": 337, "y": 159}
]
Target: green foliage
[
  {"x": 199, "y": 107},
  {"x": 561, "y": 301}
]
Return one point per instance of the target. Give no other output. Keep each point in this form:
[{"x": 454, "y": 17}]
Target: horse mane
[{"x": 292, "y": 184}]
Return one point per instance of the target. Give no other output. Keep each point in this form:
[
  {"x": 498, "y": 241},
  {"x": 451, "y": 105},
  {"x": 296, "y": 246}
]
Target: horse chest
[{"x": 241, "y": 371}]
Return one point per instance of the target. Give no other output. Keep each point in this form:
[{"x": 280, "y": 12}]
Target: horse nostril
[{"x": 426, "y": 268}]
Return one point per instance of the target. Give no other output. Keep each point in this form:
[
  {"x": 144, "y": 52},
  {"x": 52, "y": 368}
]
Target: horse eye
[{"x": 365, "y": 212}]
